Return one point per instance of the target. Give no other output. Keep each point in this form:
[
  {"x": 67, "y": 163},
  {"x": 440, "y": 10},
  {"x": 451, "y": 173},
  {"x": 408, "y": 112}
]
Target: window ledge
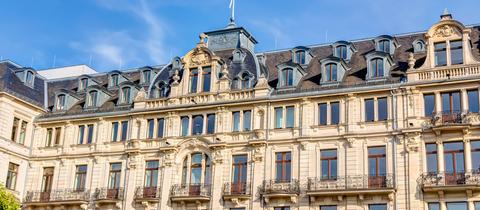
[
  {"x": 82, "y": 145},
  {"x": 328, "y": 126},
  {"x": 375, "y": 122},
  {"x": 377, "y": 79}
]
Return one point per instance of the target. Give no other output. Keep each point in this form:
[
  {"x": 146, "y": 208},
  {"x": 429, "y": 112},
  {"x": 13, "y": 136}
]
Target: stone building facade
[{"x": 389, "y": 122}]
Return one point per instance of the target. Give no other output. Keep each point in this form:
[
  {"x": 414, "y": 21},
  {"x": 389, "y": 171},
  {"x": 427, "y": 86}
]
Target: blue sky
[{"x": 113, "y": 34}]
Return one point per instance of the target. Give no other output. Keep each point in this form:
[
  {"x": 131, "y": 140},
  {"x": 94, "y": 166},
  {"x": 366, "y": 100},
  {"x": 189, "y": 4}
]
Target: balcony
[
  {"x": 236, "y": 191},
  {"x": 444, "y": 73},
  {"x": 57, "y": 197},
  {"x": 350, "y": 185},
  {"x": 107, "y": 195},
  {"x": 147, "y": 194},
  {"x": 446, "y": 181},
  {"x": 192, "y": 192},
  {"x": 272, "y": 189}
]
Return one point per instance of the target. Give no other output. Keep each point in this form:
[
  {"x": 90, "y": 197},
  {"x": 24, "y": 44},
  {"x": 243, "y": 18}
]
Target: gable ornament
[{"x": 444, "y": 31}]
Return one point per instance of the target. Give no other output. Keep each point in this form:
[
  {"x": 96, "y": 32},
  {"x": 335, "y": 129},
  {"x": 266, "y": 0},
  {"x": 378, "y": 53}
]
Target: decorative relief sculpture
[
  {"x": 444, "y": 31},
  {"x": 141, "y": 95}
]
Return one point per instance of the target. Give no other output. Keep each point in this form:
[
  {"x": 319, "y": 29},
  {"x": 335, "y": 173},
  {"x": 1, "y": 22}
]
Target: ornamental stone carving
[
  {"x": 141, "y": 95},
  {"x": 444, "y": 31},
  {"x": 412, "y": 141}
]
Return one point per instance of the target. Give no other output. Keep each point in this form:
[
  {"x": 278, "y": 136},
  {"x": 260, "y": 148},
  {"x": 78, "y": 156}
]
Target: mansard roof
[{"x": 11, "y": 84}]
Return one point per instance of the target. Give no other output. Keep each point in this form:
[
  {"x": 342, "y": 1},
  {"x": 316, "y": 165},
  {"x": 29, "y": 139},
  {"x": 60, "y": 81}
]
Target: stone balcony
[
  {"x": 236, "y": 191},
  {"x": 190, "y": 193},
  {"x": 273, "y": 189},
  {"x": 359, "y": 185},
  {"x": 75, "y": 197},
  {"x": 443, "y": 73},
  {"x": 446, "y": 181},
  {"x": 456, "y": 120}
]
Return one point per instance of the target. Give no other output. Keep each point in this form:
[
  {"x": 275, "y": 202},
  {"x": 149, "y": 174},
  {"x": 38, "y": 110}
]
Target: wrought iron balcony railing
[
  {"x": 190, "y": 190},
  {"x": 109, "y": 194},
  {"x": 351, "y": 182},
  {"x": 57, "y": 195},
  {"x": 447, "y": 117},
  {"x": 440, "y": 179},
  {"x": 236, "y": 188},
  {"x": 280, "y": 186},
  {"x": 147, "y": 193}
]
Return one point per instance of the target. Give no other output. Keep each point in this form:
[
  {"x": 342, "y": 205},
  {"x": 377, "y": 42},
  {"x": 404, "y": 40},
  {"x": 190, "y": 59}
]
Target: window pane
[
  {"x": 429, "y": 104},
  {"x": 382, "y": 109},
  {"x": 197, "y": 128},
  {"x": 193, "y": 80},
  {"x": 210, "y": 123},
  {"x": 433, "y": 206},
  {"x": 185, "y": 122},
  {"x": 236, "y": 121},
  {"x": 369, "y": 110},
  {"x": 247, "y": 120},
  {"x": 335, "y": 113},
  {"x": 160, "y": 127},
  {"x": 207, "y": 72},
  {"x": 290, "y": 117},
  {"x": 90, "y": 134},
  {"x": 432, "y": 163},
  {"x": 124, "y": 130},
  {"x": 322, "y": 110},
  {"x": 377, "y": 207},
  {"x": 472, "y": 100},
  {"x": 457, "y": 206},
  {"x": 328, "y": 207},
  {"x": 475, "y": 148},
  {"x": 454, "y": 160},
  {"x": 81, "y": 133},
  {"x": 440, "y": 54},
  {"x": 278, "y": 117},
  {"x": 151, "y": 128},
  {"x": 456, "y": 52}
]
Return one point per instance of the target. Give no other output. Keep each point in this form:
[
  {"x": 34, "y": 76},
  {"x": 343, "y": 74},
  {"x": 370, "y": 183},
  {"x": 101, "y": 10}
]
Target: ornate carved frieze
[{"x": 445, "y": 31}]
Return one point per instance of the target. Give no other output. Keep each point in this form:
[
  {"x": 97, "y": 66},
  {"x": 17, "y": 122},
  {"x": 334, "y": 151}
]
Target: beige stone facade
[{"x": 379, "y": 162}]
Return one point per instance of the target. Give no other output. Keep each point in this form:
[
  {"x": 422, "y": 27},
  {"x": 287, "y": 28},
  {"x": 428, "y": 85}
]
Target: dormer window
[
  {"x": 245, "y": 80},
  {"x": 61, "y": 102},
  {"x": 113, "y": 80},
  {"x": 377, "y": 68},
  {"x": 162, "y": 90},
  {"x": 83, "y": 84},
  {"x": 440, "y": 54},
  {"x": 146, "y": 76},
  {"x": 300, "y": 57},
  {"x": 287, "y": 77},
  {"x": 418, "y": 46},
  {"x": 331, "y": 72},
  {"x": 341, "y": 52},
  {"x": 456, "y": 52},
  {"x": 92, "y": 98},
  {"x": 384, "y": 46},
  {"x": 206, "y": 78},
  {"x": 125, "y": 97},
  {"x": 29, "y": 78},
  {"x": 193, "y": 80}
]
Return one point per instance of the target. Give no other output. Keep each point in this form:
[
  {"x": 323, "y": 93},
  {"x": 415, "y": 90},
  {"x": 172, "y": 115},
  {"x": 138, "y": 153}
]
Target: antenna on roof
[
  {"x": 31, "y": 62},
  {"x": 90, "y": 60},
  {"x": 232, "y": 14},
  {"x": 54, "y": 61}
]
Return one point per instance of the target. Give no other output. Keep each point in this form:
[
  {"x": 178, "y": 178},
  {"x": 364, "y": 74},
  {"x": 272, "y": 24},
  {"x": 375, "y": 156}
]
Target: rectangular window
[
  {"x": 23, "y": 132},
  {"x": 282, "y": 208},
  {"x": 47, "y": 179},
  {"x": 477, "y": 205},
  {"x": 247, "y": 120},
  {"x": 197, "y": 127},
  {"x": 81, "y": 134},
  {"x": 239, "y": 178},
  {"x": 475, "y": 148},
  {"x": 193, "y": 80},
  {"x": 185, "y": 124},
  {"x": 114, "y": 175},
  {"x": 80, "y": 177},
  {"x": 451, "y": 103},
  {"x": 456, "y": 52},
  {"x": 457, "y": 206},
  {"x": 369, "y": 110},
  {"x": 454, "y": 162},
  {"x": 472, "y": 100},
  {"x": 124, "y": 130},
  {"x": 16, "y": 121},
  {"x": 160, "y": 127},
  {"x": 334, "y": 113},
  {"x": 151, "y": 174},
  {"x": 58, "y": 132},
  {"x": 440, "y": 49},
  {"x": 328, "y": 160},
  {"x": 382, "y": 109},
  {"x": 12, "y": 175},
  {"x": 114, "y": 131},
  {"x": 432, "y": 158},
  {"x": 48, "y": 142},
  {"x": 322, "y": 111},
  {"x": 90, "y": 134},
  {"x": 207, "y": 72},
  {"x": 236, "y": 121},
  {"x": 377, "y": 207},
  {"x": 290, "y": 117},
  {"x": 283, "y": 167},
  {"x": 278, "y": 117},
  {"x": 377, "y": 166},
  {"x": 433, "y": 206},
  {"x": 150, "y": 128},
  {"x": 328, "y": 207},
  {"x": 210, "y": 123},
  {"x": 429, "y": 104}
]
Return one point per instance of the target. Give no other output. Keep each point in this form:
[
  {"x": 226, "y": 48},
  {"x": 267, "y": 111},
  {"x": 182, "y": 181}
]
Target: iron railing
[
  {"x": 179, "y": 190},
  {"x": 147, "y": 193},
  {"x": 351, "y": 182},
  {"x": 336, "y": 86},
  {"x": 447, "y": 117},
  {"x": 57, "y": 195},
  {"x": 280, "y": 186},
  {"x": 109, "y": 194},
  {"x": 437, "y": 179},
  {"x": 236, "y": 188}
]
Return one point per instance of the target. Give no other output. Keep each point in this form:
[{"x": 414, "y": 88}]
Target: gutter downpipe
[{"x": 394, "y": 146}]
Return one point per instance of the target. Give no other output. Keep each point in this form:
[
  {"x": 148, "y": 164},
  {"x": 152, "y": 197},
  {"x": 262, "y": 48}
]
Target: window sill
[
  {"x": 328, "y": 126},
  {"x": 83, "y": 145}
]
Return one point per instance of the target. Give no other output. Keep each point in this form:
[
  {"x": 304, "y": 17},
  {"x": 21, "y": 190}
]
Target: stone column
[
  {"x": 441, "y": 160},
  {"x": 464, "y": 101},
  {"x": 468, "y": 155},
  {"x": 438, "y": 102}
]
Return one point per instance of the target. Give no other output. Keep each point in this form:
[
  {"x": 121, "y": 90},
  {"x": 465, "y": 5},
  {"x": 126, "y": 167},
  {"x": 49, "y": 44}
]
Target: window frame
[
  {"x": 286, "y": 175},
  {"x": 12, "y": 175}
]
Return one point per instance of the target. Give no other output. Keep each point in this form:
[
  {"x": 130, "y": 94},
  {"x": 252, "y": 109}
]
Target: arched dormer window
[
  {"x": 83, "y": 84},
  {"x": 235, "y": 84},
  {"x": 92, "y": 98},
  {"x": 300, "y": 57},
  {"x": 341, "y": 51},
  {"x": 418, "y": 46},
  {"x": 331, "y": 72},
  {"x": 196, "y": 172},
  {"x": 60, "y": 104},
  {"x": 384, "y": 46},
  {"x": 125, "y": 95},
  {"x": 193, "y": 80},
  {"x": 29, "y": 78},
  {"x": 162, "y": 90},
  {"x": 146, "y": 76},
  {"x": 377, "y": 68},
  {"x": 287, "y": 76},
  {"x": 113, "y": 80},
  {"x": 246, "y": 81}
]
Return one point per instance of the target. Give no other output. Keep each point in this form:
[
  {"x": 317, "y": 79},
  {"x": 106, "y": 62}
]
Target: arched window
[
  {"x": 162, "y": 90},
  {"x": 146, "y": 76},
  {"x": 197, "y": 127},
  {"x": 384, "y": 46},
  {"x": 29, "y": 78},
  {"x": 193, "y": 80},
  {"x": 125, "y": 95},
  {"x": 341, "y": 51},
  {"x": 196, "y": 172},
  {"x": 376, "y": 67},
  {"x": 113, "y": 80},
  {"x": 83, "y": 84},
  {"x": 287, "y": 77},
  {"x": 418, "y": 46},
  {"x": 300, "y": 57},
  {"x": 331, "y": 72},
  {"x": 61, "y": 102},
  {"x": 245, "y": 80},
  {"x": 92, "y": 98}
]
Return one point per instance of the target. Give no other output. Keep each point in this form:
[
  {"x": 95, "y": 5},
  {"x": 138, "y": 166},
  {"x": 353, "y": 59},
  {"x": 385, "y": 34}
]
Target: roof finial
[
  {"x": 232, "y": 14},
  {"x": 446, "y": 15}
]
